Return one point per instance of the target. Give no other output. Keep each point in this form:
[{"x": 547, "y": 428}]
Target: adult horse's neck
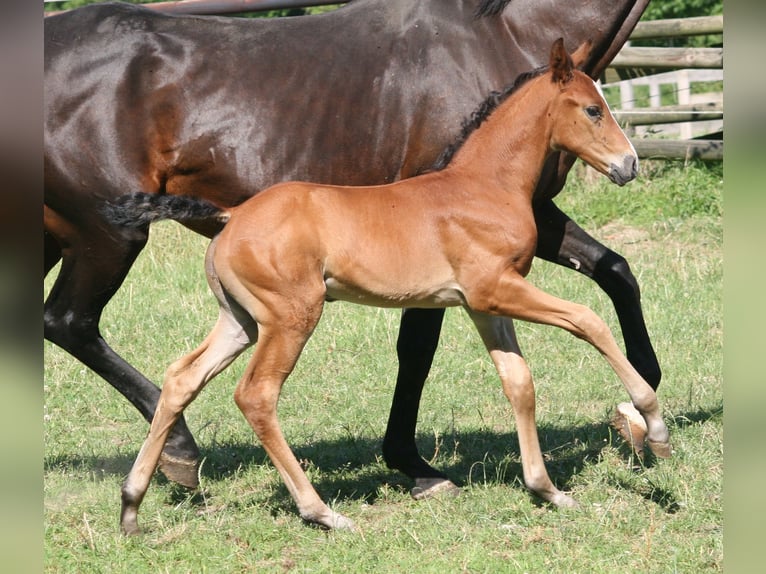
[{"x": 510, "y": 147}]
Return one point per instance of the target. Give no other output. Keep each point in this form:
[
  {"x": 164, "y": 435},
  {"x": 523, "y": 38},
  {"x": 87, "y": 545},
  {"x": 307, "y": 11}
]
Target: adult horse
[{"x": 219, "y": 108}]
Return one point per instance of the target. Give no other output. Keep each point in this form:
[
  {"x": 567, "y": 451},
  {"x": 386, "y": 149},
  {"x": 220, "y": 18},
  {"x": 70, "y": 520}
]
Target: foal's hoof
[
  {"x": 329, "y": 520},
  {"x": 340, "y": 522},
  {"x": 631, "y": 426},
  {"x": 561, "y": 500},
  {"x": 131, "y": 530},
  {"x": 430, "y": 487},
  {"x": 183, "y": 471},
  {"x": 660, "y": 449}
]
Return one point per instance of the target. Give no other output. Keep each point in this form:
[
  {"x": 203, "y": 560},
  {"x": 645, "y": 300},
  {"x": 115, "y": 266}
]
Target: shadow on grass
[{"x": 351, "y": 468}]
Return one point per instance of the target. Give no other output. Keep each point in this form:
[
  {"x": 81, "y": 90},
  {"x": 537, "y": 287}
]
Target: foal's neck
[{"x": 510, "y": 147}]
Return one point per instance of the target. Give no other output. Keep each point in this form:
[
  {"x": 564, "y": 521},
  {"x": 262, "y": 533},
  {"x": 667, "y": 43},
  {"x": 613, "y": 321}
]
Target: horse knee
[
  {"x": 585, "y": 324},
  {"x": 613, "y": 273},
  {"x": 646, "y": 401},
  {"x": 258, "y": 405},
  {"x": 179, "y": 390},
  {"x": 69, "y": 330},
  {"x": 518, "y": 385}
]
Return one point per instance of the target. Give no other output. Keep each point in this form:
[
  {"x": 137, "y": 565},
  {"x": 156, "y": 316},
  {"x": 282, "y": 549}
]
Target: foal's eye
[{"x": 594, "y": 112}]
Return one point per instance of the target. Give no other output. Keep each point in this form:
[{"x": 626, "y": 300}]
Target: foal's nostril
[{"x": 631, "y": 165}]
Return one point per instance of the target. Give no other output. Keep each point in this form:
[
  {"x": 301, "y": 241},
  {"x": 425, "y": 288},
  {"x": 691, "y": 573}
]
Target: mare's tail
[{"x": 141, "y": 209}]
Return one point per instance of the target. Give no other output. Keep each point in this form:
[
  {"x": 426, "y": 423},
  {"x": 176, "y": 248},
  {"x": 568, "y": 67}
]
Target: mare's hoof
[
  {"x": 660, "y": 449},
  {"x": 631, "y": 426},
  {"x": 180, "y": 470},
  {"x": 430, "y": 487}
]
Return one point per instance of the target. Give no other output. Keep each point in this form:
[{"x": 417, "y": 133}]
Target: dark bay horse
[
  {"x": 463, "y": 236},
  {"x": 220, "y": 108}
]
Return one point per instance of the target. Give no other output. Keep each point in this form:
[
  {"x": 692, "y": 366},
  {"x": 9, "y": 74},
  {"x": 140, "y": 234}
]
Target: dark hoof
[
  {"x": 430, "y": 487},
  {"x": 181, "y": 471}
]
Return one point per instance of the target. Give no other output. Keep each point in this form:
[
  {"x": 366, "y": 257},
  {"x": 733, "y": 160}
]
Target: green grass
[{"x": 665, "y": 517}]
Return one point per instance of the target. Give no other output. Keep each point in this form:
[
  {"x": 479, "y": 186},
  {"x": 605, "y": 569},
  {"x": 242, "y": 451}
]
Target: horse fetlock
[
  {"x": 129, "y": 514},
  {"x": 540, "y": 484}
]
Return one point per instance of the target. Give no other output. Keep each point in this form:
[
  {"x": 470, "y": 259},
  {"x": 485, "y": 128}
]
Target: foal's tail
[{"x": 141, "y": 209}]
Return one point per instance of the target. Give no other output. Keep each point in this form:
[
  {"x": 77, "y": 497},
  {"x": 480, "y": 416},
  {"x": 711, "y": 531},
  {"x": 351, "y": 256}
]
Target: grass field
[{"x": 663, "y": 517}]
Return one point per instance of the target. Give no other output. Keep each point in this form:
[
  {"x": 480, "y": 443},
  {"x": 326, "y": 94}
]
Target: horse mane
[
  {"x": 480, "y": 115},
  {"x": 491, "y": 7}
]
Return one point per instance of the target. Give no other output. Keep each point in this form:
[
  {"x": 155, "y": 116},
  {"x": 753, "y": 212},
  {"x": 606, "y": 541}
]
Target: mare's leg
[
  {"x": 183, "y": 381},
  {"x": 418, "y": 338},
  {"x": 562, "y": 241},
  {"x": 517, "y": 298},
  {"x": 95, "y": 261},
  {"x": 499, "y": 337}
]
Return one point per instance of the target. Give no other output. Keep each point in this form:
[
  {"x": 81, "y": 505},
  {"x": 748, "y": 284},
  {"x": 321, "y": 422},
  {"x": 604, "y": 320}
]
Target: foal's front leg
[
  {"x": 499, "y": 337},
  {"x": 562, "y": 241},
  {"x": 515, "y": 297}
]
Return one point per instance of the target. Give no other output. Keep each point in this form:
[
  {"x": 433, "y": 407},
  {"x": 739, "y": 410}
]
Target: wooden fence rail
[{"x": 681, "y": 68}]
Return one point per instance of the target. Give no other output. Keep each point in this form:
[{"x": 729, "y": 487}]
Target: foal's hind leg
[
  {"x": 183, "y": 381},
  {"x": 279, "y": 345},
  {"x": 500, "y": 339}
]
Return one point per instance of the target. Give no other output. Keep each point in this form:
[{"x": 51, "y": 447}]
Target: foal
[{"x": 461, "y": 236}]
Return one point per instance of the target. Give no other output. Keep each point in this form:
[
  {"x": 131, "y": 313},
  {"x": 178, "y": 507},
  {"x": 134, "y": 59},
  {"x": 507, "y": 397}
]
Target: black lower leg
[{"x": 418, "y": 338}]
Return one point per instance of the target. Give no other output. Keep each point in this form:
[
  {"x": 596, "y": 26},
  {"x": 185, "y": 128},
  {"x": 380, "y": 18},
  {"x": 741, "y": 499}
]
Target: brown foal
[{"x": 462, "y": 236}]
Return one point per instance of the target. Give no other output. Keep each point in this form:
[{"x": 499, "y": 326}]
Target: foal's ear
[
  {"x": 580, "y": 55},
  {"x": 561, "y": 63}
]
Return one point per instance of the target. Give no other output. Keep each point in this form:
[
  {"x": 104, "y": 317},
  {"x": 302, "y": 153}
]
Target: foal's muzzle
[{"x": 627, "y": 171}]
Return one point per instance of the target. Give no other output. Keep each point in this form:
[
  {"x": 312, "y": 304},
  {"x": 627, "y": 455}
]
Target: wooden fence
[
  {"x": 631, "y": 68},
  {"x": 692, "y": 127}
]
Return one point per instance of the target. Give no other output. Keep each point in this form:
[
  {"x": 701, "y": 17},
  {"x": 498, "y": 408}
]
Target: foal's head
[{"x": 583, "y": 124}]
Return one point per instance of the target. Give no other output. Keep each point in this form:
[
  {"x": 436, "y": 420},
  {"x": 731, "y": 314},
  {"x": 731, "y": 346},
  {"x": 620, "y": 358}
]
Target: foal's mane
[{"x": 480, "y": 114}]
